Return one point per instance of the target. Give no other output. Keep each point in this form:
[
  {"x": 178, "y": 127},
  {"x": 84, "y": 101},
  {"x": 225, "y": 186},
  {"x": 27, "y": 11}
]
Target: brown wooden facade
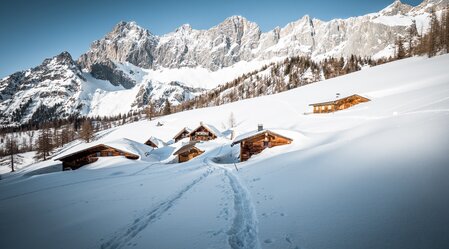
[
  {"x": 151, "y": 144},
  {"x": 90, "y": 155},
  {"x": 187, "y": 152},
  {"x": 202, "y": 133},
  {"x": 182, "y": 134},
  {"x": 339, "y": 104},
  {"x": 255, "y": 144}
]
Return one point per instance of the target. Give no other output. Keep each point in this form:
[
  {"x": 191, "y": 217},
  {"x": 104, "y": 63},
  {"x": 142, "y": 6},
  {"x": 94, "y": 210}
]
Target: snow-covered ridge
[
  {"x": 135, "y": 66},
  {"x": 238, "y": 39}
]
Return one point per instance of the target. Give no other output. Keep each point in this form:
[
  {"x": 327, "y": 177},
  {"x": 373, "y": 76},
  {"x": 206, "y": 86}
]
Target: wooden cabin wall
[
  {"x": 197, "y": 137},
  {"x": 256, "y": 145},
  {"x": 188, "y": 155},
  {"x": 324, "y": 109},
  {"x": 340, "y": 104}
]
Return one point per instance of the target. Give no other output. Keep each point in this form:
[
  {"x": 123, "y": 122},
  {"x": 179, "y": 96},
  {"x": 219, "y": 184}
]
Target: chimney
[
  {"x": 201, "y": 123},
  {"x": 259, "y": 127}
]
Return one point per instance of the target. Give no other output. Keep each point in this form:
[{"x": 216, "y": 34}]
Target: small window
[
  {"x": 265, "y": 144},
  {"x": 98, "y": 154},
  {"x": 323, "y": 107},
  {"x": 109, "y": 153}
]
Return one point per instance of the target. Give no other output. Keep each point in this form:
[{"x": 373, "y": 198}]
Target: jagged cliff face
[
  {"x": 48, "y": 89},
  {"x": 58, "y": 88},
  {"x": 238, "y": 39},
  {"x": 126, "y": 42}
]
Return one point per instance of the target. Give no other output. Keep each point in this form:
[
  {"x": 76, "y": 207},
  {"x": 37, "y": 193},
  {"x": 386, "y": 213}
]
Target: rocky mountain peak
[
  {"x": 429, "y": 5},
  {"x": 185, "y": 28},
  {"x": 397, "y": 7}
]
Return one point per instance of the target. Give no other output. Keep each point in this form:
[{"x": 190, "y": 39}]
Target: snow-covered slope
[{"x": 372, "y": 176}]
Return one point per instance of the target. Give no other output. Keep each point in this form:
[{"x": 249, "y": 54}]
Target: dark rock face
[{"x": 107, "y": 70}]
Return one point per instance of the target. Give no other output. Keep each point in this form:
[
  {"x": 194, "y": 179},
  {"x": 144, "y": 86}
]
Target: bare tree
[
  {"x": 400, "y": 50},
  {"x": 149, "y": 111},
  {"x": 11, "y": 149},
  {"x": 167, "y": 108},
  {"x": 87, "y": 132},
  {"x": 231, "y": 120},
  {"x": 44, "y": 144}
]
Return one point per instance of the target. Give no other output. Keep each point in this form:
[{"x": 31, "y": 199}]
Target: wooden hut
[
  {"x": 182, "y": 134},
  {"x": 82, "y": 157},
  {"x": 187, "y": 152},
  {"x": 204, "y": 132},
  {"x": 155, "y": 142},
  {"x": 255, "y": 142},
  {"x": 338, "y": 104}
]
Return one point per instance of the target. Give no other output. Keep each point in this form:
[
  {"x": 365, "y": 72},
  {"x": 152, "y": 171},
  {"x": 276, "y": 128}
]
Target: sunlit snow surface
[{"x": 372, "y": 176}]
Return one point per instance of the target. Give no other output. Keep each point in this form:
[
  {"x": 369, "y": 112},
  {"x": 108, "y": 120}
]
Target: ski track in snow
[
  {"x": 243, "y": 233},
  {"x": 124, "y": 236}
]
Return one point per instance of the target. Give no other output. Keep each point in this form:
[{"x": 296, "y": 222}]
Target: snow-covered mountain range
[{"x": 130, "y": 66}]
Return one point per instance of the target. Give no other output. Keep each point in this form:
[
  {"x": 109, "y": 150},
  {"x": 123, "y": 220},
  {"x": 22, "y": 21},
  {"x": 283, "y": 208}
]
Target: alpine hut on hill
[
  {"x": 155, "y": 142},
  {"x": 182, "y": 134},
  {"x": 187, "y": 152},
  {"x": 204, "y": 132},
  {"x": 338, "y": 104},
  {"x": 254, "y": 142},
  {"x": 78, "y": 157}
]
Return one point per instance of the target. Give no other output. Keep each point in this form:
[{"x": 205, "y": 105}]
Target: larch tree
[
  {"x": 167, "y": 108},
  {"x": 149, "y": 111},
  {"x": 11, "y": 150},
  {"x": 44, "y": 144},
  {"x": 87, "y": 131},
  {"x": 400, "y": 50}
]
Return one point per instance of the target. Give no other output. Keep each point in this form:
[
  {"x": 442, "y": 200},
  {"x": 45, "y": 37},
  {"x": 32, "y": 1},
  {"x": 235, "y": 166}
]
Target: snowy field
[{"x": 372, "y": 176}]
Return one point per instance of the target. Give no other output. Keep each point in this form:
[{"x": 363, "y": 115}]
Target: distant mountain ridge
[{"x": 131, "y": 67}]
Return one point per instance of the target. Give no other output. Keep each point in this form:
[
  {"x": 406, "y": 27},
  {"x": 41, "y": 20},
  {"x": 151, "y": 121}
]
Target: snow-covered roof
[
  {"x": 156, "y": 141},
  {"x": 336, "y": 100},
  {"x": 123, "y": 144},
  {"x": 186, "y": 147},
  {"x": 185, "y": 129},
  {"x": 254, "y": 133},
  {"x": 210, "y": 128}
]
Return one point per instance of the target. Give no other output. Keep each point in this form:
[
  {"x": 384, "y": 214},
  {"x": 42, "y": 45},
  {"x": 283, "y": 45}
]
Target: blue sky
[{"x": 34, "y": 30}]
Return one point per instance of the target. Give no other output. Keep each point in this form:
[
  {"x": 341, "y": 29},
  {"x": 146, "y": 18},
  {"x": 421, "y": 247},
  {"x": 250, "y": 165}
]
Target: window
[
  {"x": 98, "y": 154},
  {"x": 265, "y": 144},
  {"x": 109, "y": 153},
  {"x": 323, "y": 107}
]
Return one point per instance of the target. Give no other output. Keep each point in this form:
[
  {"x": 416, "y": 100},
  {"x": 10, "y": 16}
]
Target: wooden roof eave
[
  {"x": 182, "y": 131},
  {"x": 340, "y": 99},
  {"x": 258, "y": 134},
  {"x": 93, "y": 147},
  {"x": 185, "y": 149},
  {"x": 204, "y": 128}
]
